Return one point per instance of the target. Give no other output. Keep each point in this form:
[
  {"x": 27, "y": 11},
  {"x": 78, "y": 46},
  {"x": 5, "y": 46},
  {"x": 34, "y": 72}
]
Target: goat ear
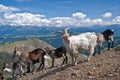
[
  {"x": 47, "y": 49},
  {"x": 113, "y": 30},
  {"x": 15, "y": 49}
]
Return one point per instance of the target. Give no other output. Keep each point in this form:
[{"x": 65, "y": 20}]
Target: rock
[
  {"x": 90, "y": 73},
  {"x": 91, "y": 77},
  {"x": 110, "y": 75},
  {"x": 74, "y": 73},
  {"x": 97, "y": 64}
]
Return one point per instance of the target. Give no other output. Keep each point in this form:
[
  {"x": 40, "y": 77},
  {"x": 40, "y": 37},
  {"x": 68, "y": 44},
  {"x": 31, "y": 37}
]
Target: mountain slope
[
  {"x": 101, "y": 67},
  {"x": 105, "y": 66}
]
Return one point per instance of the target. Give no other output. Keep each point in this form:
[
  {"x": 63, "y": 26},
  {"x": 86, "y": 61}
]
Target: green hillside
[{"x": 6, "y": 51}]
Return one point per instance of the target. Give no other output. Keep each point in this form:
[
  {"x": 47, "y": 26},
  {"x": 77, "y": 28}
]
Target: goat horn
[
  {"x": 60, "y": 32},
  {"x": 66, "y": 29}
]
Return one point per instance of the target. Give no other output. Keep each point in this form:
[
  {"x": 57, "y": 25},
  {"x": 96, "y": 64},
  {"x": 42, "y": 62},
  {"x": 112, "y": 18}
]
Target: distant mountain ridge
[
  {"x": 27, "y": 45},
  {"x": 18, "y": 30},
  {"x": 9, "y": 34}
]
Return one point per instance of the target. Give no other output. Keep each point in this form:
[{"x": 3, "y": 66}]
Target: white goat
[{"x": 85, "y": 41}]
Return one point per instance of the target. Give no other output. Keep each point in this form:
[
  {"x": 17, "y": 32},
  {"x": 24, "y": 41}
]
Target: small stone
[
  {"x": 90, "y": 72},
  {"x": 74, "y": 73},
  {"x": 110, "y": 75},
  {"x": 91, "y": 77}
]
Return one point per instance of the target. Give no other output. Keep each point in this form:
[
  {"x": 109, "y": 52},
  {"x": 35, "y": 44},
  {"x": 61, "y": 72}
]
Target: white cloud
[
  {"x": 76, "y": 20},
  {"x": 7, "y": 8},
  {"x": 116, "y": 20},
  {"x": 87, "y": 22},
  {"x": 24, "y": 19},
  {"x": 107, "y": 15},
  {"x": 62, "y": 21},
  {"x": 79, "y": 15}
]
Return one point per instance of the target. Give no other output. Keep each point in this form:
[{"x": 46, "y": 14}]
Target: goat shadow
[{"x": 58, "y": 69}]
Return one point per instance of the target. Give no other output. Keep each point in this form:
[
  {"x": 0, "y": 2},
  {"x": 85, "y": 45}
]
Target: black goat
[{"x": 57, "y": 53}]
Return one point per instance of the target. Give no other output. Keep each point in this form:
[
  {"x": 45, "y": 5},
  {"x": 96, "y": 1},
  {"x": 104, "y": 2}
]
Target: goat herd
[{"x": 73, "y": 44}]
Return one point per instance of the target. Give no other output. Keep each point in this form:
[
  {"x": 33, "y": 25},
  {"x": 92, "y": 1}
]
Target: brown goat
[
  {"x": 35, "y": 56},
  {"x": 57, "y": 53}
]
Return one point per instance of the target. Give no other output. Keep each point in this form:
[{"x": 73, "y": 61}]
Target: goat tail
[{"x": 46, "y": 57}]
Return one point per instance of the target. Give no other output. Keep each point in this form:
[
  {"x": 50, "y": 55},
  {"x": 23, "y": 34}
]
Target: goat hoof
[
  {"x": 33, "y": 72},
  {"x": 93, "y": 54},
  {"x": 63, "y": 65},
  {"x": 75, "y": 64},
  {"x": 24, "y": 74},
  {"x": 51, "y": 67},
  {"x": 38, "y": 70},
  {"x": 98, "y": 53},
  {"x": 87, "y": 60}
]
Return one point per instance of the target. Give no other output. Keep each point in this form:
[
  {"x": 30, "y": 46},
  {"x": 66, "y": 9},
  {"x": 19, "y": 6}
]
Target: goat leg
[
  {"x": 42, "y": 64},
  {"x": 33, "y": 66},
  {"x": 28, "y": 68},
  {"x": 66, "y": 60},
  {"x": 94, "y": 54},
  {"x": 39, "y": 67},
  {"x": 63, "y": 61},
  {"x": 108, "y": 45},
  {"x": 75, "y": 56},
  {"x": 95, "y": 51},
  {"x": 52, "y": 63},
  {"x": 112, "y": 44},
  {"x": 99, "y": 50},
  {"x": 72, "y": 58},
  {"x": 91, "y": 53}
]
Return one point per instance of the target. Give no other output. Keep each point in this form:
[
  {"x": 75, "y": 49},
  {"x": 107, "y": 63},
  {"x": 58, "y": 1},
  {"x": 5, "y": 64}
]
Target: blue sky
[{"x": 59, "y": 13}]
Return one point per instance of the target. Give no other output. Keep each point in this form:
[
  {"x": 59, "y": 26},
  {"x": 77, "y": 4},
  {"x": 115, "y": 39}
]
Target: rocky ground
[{"x": 105, "y": 66}]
